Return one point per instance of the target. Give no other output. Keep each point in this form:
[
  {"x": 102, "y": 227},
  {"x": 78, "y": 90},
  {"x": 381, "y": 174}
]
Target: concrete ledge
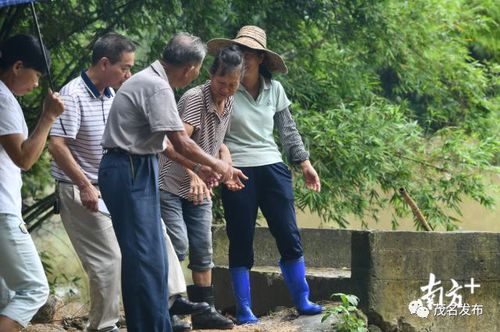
[
  {"x": 390, "y": 268},
  {"x": 269, "y": 291},
  {"x": 322, "y": 247}
]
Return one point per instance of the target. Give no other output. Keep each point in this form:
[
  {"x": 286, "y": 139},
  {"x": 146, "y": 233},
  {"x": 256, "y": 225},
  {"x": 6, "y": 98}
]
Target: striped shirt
[
  {"x": 196, "y": 108},
  {"x": 82, "y": 123}
]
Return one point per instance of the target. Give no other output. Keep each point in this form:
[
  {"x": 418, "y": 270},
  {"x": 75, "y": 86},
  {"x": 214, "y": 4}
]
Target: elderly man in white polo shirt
[{"x": 75, "y": 147}]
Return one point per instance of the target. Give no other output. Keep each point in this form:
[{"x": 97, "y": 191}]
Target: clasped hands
[{"x": 207, "y": 178}]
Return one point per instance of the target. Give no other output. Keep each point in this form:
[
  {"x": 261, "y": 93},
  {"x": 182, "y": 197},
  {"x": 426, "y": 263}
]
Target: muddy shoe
[{"x": 178, "y": 325}]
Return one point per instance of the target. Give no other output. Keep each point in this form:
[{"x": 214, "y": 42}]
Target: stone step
[
  {"x": 269, "y": 290},
  {"x": 310, "y": 272}
]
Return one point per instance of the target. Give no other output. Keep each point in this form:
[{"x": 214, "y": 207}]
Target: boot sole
[{"x": 228, "y": 327}]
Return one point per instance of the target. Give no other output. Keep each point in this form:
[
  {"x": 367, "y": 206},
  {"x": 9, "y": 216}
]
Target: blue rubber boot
[
  {"x": 241, "y": 289},
  {"x": 294, "y": 273}
]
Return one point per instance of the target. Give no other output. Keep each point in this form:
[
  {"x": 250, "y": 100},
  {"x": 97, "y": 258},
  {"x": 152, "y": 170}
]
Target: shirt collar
[
  {"x": 264, "y": 85},
  {"x": 209, "y": 103},
  {"x": 207, "y": 97},
  {"x": 158, "y": 68},
  {"x": 108, "y": 92}
]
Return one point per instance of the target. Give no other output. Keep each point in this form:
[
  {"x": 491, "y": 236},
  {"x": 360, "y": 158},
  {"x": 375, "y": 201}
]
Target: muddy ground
[{"x": 72, "y": 317}]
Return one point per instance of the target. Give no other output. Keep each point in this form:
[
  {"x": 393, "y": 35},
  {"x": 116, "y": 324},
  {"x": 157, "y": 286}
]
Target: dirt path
[{"x": 71, "y": 318}]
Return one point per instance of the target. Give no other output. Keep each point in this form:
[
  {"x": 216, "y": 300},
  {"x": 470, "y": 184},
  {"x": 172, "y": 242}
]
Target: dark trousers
[
  {"x": 129, "y": 187},
  {"x": 269, "y": 188}
]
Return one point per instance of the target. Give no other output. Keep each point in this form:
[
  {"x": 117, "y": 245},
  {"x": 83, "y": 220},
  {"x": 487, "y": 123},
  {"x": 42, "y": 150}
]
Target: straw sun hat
[{"x": 255, "y": 38}]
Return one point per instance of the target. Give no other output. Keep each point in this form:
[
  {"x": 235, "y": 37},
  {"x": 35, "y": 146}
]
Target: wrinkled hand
[
  {"x": 225, "y": 169},
  {"x": 198, "y": 190},
  {"x": 310, "y": 176},
  {"x": 89, "y": 196},
  {"x": 209, "y": 176},
  {"x": 53, "y": 105},
  {"x": 234, "y": 183}
]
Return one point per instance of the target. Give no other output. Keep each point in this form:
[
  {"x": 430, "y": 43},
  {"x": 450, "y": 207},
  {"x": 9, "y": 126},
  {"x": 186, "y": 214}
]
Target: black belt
[
  {"x": 114, "y": 150},
  {"x": 71, "y": 183}
]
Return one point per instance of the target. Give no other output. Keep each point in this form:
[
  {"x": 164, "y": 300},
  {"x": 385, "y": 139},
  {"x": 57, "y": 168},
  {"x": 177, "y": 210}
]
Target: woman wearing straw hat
[{"x": 260, "y": 105}]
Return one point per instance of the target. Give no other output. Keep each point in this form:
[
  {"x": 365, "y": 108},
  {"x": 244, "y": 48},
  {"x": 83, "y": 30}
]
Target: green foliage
[
  {"x": 60, "y": 279},
  {"x": 366, "y": 153},
  {"x": 386, "y": 94},
  {"x": 348, "y": 314}
]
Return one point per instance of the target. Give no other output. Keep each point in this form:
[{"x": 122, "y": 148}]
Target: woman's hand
[
  {"x": 310, "y": 176},
  {"x": 234, "y": 183},
  {"x": 198, "y": 189},
  {"x": 53, "y": 105}
]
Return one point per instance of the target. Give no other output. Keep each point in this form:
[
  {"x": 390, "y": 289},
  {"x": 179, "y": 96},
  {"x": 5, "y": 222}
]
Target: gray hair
[
  {"x": 111, "y": 45},
  {"x": 184, "y": 49},
  {"x": 226, "y": 61}
]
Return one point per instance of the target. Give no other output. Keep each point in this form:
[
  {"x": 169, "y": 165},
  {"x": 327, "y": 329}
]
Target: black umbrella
[{"x": 4, "y": 3}]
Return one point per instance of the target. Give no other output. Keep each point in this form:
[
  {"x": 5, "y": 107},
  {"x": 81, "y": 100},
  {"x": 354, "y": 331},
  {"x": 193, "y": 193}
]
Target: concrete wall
[
  {"x": 388, "y": 268},
  {"x": 322, "y": 247}
]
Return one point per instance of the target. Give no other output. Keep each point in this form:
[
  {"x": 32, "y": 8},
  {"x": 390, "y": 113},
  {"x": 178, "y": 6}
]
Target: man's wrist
[
  {"x": 83, "y": 186},
  {"x": 196, "y": 168}
]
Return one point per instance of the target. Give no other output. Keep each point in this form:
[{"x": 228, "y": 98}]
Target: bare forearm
[
  {"x": 172, "y": 154},
  {"x": 67, "y": 163},
  {"x": 25, "y": 152},
  {"x": 32, "y": 148},
  {"x": 224, "y": 154},
  {"x": 190, "y": 150}
]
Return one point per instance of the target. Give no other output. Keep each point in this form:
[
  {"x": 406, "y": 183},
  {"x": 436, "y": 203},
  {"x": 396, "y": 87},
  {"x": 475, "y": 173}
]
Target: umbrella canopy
[
  {"x": 13, "y": 2},
  {"x": 4, "y": 3}
]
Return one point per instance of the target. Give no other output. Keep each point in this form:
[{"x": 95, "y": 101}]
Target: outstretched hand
[
  {"x": 310, "y": 176},
  {"x": 225, "y": 169},
  {"x": 209, "y": 176},
  {"x": 234, "y": 183}
]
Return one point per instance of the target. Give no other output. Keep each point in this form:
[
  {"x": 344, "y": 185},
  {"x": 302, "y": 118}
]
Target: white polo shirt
[
  {"x": 82, "y": 123},
  {"x": 11, "y": 122}
]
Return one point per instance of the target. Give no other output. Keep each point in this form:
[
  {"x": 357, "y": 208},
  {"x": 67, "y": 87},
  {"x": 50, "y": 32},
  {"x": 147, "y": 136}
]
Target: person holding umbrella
[{"x": 21, "y": 66}]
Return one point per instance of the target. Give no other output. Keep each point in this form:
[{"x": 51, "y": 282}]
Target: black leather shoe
[
  {"x": 210, "y": 318},
  {"x": 178, "y": 325},
  {"x": 183, "y": 306}
]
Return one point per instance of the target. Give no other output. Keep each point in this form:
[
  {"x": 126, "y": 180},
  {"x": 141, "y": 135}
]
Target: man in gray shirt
[{"x": 143, "y": 115}]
